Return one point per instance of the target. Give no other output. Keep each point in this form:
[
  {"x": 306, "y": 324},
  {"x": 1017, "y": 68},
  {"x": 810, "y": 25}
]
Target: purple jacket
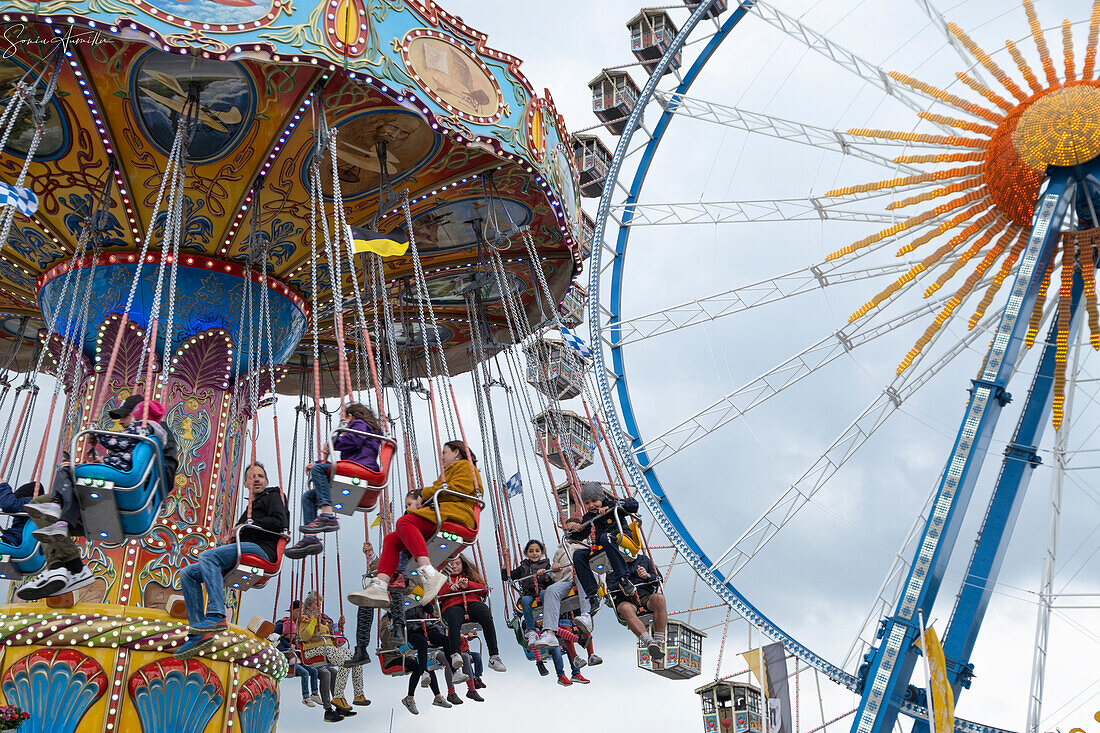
[{"x": 362, "y": 449}]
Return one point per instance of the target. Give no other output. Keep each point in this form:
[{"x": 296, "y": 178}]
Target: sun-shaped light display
[{"x": 990, "y": 190}]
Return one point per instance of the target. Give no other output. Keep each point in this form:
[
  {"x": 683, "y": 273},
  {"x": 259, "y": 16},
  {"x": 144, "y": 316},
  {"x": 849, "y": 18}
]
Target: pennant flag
[
  {"x": 377, "y": 521},
  {"x": 755, "y": 659},
  {"x": 943, "y": 699},
  {"x": 575, "y": 342},
  {"x": 386, "y": 245},
  {"x": 23, "y": 199},
  {"x": 514, "y": 486}
]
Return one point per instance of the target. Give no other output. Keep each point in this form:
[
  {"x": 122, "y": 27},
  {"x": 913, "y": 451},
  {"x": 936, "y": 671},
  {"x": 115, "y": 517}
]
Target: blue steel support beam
[
  {"x": 1004, "y": 507},
  {"x": 891, "y": 662}
]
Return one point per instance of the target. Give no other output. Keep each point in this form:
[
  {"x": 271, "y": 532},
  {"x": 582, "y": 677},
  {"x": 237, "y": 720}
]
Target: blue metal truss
[{"x": 891, "y": 663}]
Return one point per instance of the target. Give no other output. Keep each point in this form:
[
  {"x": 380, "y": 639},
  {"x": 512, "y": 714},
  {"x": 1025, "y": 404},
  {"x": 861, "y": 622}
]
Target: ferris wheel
[{"x": 892, "y": 291}]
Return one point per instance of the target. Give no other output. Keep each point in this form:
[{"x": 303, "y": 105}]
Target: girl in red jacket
[{"x": 461, "y": 600}]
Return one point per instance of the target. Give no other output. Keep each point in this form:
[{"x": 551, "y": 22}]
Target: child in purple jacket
[{"x": 354, "y": 446}]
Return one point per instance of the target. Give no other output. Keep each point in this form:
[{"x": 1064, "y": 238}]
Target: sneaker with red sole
[
  {"x": 564, "y": 681},
  {"x": 580, "y": 679}
]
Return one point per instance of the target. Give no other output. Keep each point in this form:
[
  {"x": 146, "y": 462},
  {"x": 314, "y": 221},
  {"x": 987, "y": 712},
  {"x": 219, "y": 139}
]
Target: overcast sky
[{"x": 819, "y": 578}]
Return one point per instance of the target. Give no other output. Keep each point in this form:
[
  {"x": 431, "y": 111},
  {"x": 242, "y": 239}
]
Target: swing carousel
[{"x": 196, "y": 204}]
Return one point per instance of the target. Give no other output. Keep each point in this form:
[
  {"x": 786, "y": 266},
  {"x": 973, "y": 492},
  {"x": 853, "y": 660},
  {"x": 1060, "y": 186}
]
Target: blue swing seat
[
  {"x": 116, "y": 505},
  {"x": 26, "y": 558}
]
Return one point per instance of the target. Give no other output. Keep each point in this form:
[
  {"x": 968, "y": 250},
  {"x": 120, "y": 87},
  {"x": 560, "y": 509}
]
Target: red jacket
[{"x": 452, "y": 595}]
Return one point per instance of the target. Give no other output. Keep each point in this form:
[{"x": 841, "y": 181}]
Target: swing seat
[
  {"x": 356, "y": 487},
  {"x": 252, "y": 570},
  {"x": 572, "y": 602},
  {"x": 116, "y": 505},
  {"x": 26, "y": 558},
  {"x": 447, "y": 541},
  {"x": 629, "y": 542}
]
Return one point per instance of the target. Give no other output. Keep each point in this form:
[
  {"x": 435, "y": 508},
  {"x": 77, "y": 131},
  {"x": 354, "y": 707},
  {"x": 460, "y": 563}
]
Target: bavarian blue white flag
[
  {"x": 514, "y": 486},
  {"x": 22, "y": 199},
  {"x": 575, "y": 342}
]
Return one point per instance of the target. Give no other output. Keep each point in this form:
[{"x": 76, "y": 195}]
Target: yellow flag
[
  {"x": 755, "y": 659},
  {"x": 377, "y": 521},
  {"x": 386, "y": 245},
  {"x": 943, "y": 698}
]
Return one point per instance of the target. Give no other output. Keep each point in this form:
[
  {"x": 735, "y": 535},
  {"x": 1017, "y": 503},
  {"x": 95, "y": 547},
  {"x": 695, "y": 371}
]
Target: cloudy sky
[{"x": 820, "y": 576}]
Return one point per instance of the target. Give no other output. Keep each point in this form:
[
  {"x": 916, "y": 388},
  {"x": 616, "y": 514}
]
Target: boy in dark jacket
[
  {"x": 259, "y": 535},
  {"x": 600, "y": 511}
]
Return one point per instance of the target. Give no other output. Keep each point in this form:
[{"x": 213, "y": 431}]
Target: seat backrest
[{"x": 385, "y": 458}]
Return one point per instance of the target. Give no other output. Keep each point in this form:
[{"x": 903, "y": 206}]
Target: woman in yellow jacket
[
  {"x": 316, "y": 635},
  {"x": 460, "y": 476}
]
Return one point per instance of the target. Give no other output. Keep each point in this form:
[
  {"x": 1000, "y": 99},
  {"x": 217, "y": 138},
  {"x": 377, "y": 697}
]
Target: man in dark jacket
[
  {"x": 600, "y": 512},
  {"x": 259, "y": 534}
]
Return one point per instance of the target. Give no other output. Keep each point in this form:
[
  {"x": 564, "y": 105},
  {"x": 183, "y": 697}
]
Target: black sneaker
[
  {"x": 361, "y": 656},
  {"x": 331, "y": 716},
  {"x": 594, "y": 603},
  {"x": 308, "y": 545},
  {"x": 542, "y": 668},
  {"x": 478, "y": 684},
  {"x": 472, "y": 695},
  {"x": 323, "y": 523},
  {"x": 397, "y": 635},
  {"x": 453, "y": 698}
]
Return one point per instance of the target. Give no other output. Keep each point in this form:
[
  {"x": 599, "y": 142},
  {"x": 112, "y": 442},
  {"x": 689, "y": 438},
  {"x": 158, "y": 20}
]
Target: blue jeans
[
  {"x": 559, "y": 665},
  {"x": 475, "y": 660},
  {"x": 320, "y": 495},
  {"x": 528, "y": 613},
  {"x": 551, "y": 603},
  {"x": 309, "y": 675},
  {"x": 207, "y": 571}
]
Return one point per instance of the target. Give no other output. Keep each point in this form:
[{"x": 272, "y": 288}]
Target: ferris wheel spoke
[
  {"x": 802, "y": 491},
  {"x": 940, "y": 24},
  {"x": 743, "y": 298},
  {"x": 821, "y": 138},
  {"x": 777, "y": 379},
  {"x": 844, "y": 58},
  {"x": 740, "y": 212}
]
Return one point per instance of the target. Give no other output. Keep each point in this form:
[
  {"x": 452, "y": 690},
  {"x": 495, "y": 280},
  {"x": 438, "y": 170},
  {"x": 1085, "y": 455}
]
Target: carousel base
[{"x": 99, "y": 667}]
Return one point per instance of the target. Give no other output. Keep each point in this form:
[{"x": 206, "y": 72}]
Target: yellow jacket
[
  {"x": 462, "y": 477},
  {"x": 314, "y": 633}
]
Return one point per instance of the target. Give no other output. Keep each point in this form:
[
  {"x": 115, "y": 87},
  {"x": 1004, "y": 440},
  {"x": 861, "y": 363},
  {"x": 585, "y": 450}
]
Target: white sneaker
[
  {"x": 594, "y": 659},
  {"x": 43, "y": 513},
  {"x": 308, "y": 702},
  {"x": 580, "y": 661},
  {"x": 52, "y": 532},
  {"x": 431, "y": 582},
  {"x": 532, "y": 639},
  {"x": 76, "y": 581},
  {"x": 548, "y": 640},
  {"x": 456, "y": 661},
  {"x": 496, "y": 665},
  {"x": 44, "y": 585},
  {"x": 459, "y": 677},
  {"x": 375, "y": 595},
  {"x": 425, "y": 679},
  {"x": 584, "y": 622},
  {"x": 316, "y": 699},
  {"x": 441, "y": 702}
]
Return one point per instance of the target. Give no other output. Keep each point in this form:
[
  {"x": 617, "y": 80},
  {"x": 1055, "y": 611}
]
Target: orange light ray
[
  {"x": 946, "y": 97},
  {"x": 960, "y": 124},
  {"x": 964, "y": 185},
  {"x": 913, "y": 180},
  {"x": 1088, "y": 275},
  {"x": 985, "y": 91},
  {"x": 941, "y": 158},
  {"x": 908, "y": 277},
  {"x": 983, "y": 58},
  {"x": 1037, "y": 311},
  {"x": 949, "y": 141},
  {"x": 1090, "y": 47},
  {"x": 1061, "y": 349},
  {"x": 903, "y": 226},
  {"x": 1025, "y": 69},
  {"x": 987, "y": 236},
  {"x": 946, "y": 226},
  {"x": 1067, "y": 44},
  {"x": 998, "y": 279},
  {"x": 1041, "y": 44}
]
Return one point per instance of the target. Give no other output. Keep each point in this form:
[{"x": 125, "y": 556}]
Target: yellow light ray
[
  {"x": 906, "y": 180},
  {"x": 960, "y": 124},
  {"x": 1088, "y": 275},
  {"x": 1041, "y": 44},
  {"x": 1037, "y": 311},
  {"x": 972, "y": 182},
  {"x": 1025, "y": 69},
  {"x": 983, "y": 58},
  {"x": 902, "y": 226},
  {"x": 998, "y": 279},
  {"x": 1094, "y": 36},
  {"x": 1069, "y": 247},
  {"x": 947, "y": 226},
  {"x": 996, "y": 228},
  {"x": 908, "y": 277},
  {"x": 941, "y": 158},
  {"x": 955, "y": 101},
  {"x": 985, "y": 91},
  {"x": 1067, "y": 44},
  {"x": 949, "y": 141}
]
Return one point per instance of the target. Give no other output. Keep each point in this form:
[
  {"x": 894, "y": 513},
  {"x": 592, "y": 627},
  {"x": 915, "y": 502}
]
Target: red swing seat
[
  {"x": 252, "y": 570},
  {"x": 356, "y": 487}
]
